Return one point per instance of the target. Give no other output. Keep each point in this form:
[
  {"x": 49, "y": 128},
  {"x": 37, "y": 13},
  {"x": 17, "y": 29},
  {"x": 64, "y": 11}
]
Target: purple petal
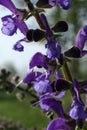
[
  {"x": 58, "y": 75},
  {"x": 77, "y": 91},
  {"x": 46, "y": 25},
  {"x": 22, "y": 26},
  {"x": 42, "y": 86},
  {"x": 18, "y": 47},
  {"x": 83, "y": 53},
  {"x": 9, "y": 27},
  {"x": 77, "y": 107},
  {"x": 30, "y": 77},
  {"x": 60, "y": 95},
  {"x": 77, "y": 110},
  {"x": 53, "y": 49},
  {"x": 81, "y": 37},
  {"x": 59, "y": 124},
  {"x": 52, "y": 104},
  {"x": 38, "y": 60},
  {"x": 52, "y": 2},
  {"x": 9, "y": 4},
  {"x": 65, "y": 4}
]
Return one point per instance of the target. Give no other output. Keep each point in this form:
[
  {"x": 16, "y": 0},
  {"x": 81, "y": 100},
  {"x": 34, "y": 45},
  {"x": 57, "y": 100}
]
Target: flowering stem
[
  {"x": 66, "y": 72},
  {"x": 27, "y": 91},
  {"x": 36, "y": 15}
]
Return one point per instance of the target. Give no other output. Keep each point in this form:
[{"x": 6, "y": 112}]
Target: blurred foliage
[
  {"x": 16, "y": 103},
  {"x": 9, "y": 124}
]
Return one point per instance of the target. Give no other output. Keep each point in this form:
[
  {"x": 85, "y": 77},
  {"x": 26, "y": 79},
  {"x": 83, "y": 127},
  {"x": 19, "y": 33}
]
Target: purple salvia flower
[
  {"x": 77, "y": 110},
  {"x": 42, "y": 84},
  {"x": 23, "y": 28},
  {"x": 18, "y": 46},
  {"x": 51, "y": 103},
  {"x": 40, "y": 81},
  {"x": 65, "y": 4},
  {"x": 59, "y": 124},
  {"x": 81, "y": 38},
  {"x": 11, "y": 23},
  {"x": 77, "y": 50},
  {"x": 77, "y": 107},
  {"x": 9, "y": 27},
  {"x": 53, "y": 47},
  {"x": 42, "y": 61}
]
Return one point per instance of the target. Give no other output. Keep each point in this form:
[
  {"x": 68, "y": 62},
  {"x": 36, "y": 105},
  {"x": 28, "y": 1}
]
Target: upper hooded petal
[
  {"x": 9, "y": 4},
  {"x": 59, "y": 124},
  {"x": 38, "y": 60}
]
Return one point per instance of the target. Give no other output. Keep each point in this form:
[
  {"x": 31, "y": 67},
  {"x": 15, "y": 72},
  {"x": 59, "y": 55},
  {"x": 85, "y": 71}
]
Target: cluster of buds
[{"x": 50, "y": 90}]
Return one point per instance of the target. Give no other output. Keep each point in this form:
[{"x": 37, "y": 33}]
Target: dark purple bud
[
  {"x": 29, "y": 34},
  {"x": 35, "y": 35},
  {"x": 61, "y": 85},
  {"x": 38, "y": 35},
  {"x": 60, "y": 26},
  {"x": 43, "y": 4},
  {"x": 73, "y": 52}
]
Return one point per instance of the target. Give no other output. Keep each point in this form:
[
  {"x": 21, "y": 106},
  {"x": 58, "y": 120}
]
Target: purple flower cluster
[
  {"x": 43, "y": 67},
  {"x": 11, "y": 23}
]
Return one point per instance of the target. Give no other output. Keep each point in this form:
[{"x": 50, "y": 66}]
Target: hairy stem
[
  {"x": 36, "y": 14},
  {"x": 66, "y": 72}
]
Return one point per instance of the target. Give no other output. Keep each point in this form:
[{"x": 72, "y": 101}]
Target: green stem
[
  {"x": 36, "y": 14},
  {"x": 66, "y": 72},
  {"x": 77, "y": 128}
]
